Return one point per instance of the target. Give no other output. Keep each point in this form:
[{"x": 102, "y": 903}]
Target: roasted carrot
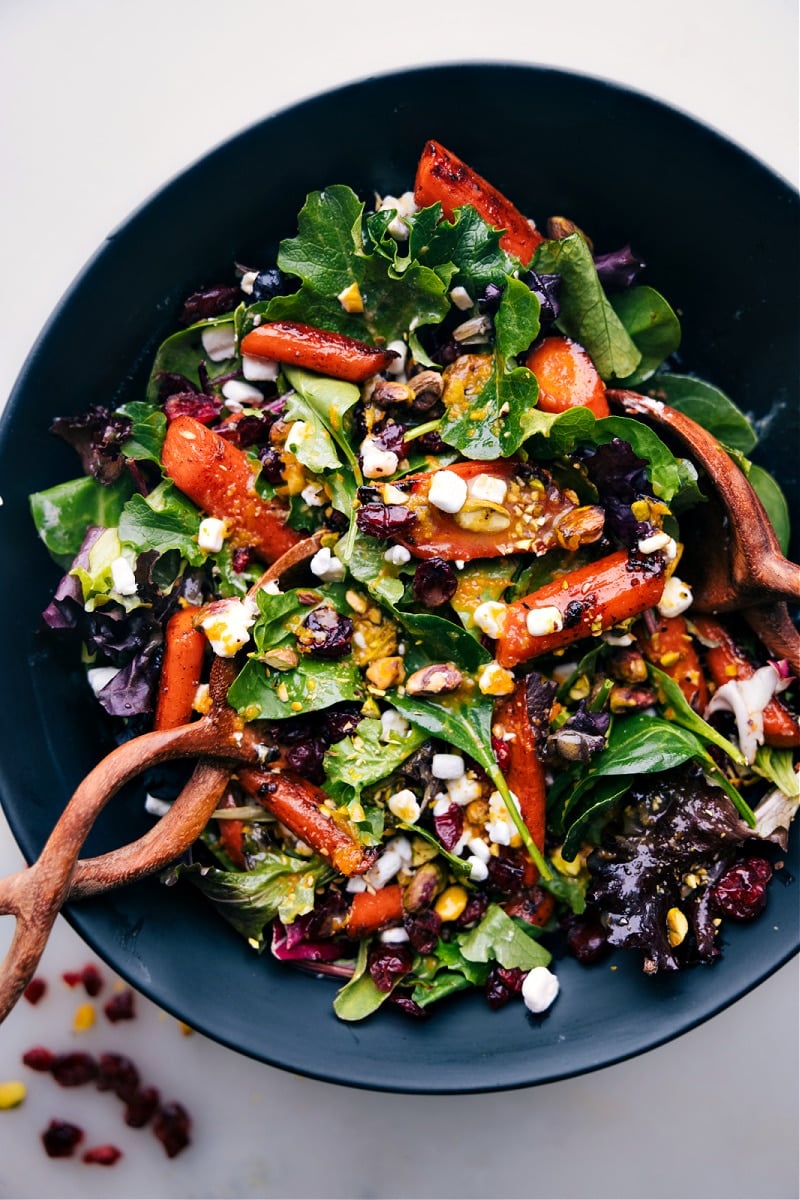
[
  {"x": 725, "y": 661},
  {"x": 231, "y": 832},
  {"x": 524, "y": 773},
  {"x": 567, "y": 377},
  {"x": 535, "y": 905},
  {"x": 670, "y": 648},
  {"x": 298, "y": 804},
  {"x": 583, "y": 602},
  {"x": 317, "y": 350},
  {"x": 534, "y": 516},
  {"x": 442, "y": 176},
  {"x": 181, "y": 670},
  {"x": 220, "y": 479},
  {"x": 372, "y": 911}
]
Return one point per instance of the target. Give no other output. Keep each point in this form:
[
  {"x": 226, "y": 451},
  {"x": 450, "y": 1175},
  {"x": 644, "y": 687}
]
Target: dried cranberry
[
  {"x": 249, "y": 431},
  {"x": 35, "y": 990},
  {"x": 242, "y": 558},
  {"x": 423, "y": 930},
  {"x": 410, "y": 1007},
  {"x": 117, "y": 1074},
  {"x": 92, "y": 979},
  {"x": 172, "y": 1126},
  {"x": 435, "y": 582},
  {"x": 271, "y": 465},
  {"x": 204, "y": 409},
  {"x": 104, "y": 1156},
  {"x": 384, "y": 520},
  {"x": 431, "y": 442},
  {"x": 141, "y": 1107},
  {"x": 474, "y": 911},
  {"x": 340, "y": 722},
  {"x": 210, "y": 302},
  {"x": 305, "y": 757},
  {"x": 73, "y": 1070},
  {"x": 587, "y": 939},
  {"x": 325, "y": 633},
  {"x": 170, "y": 383},
  {"x": 506, "y": 871},
  {"x": 386, "y": 964},
  {"x": 60, "y": 1139},
  {"x": 546, "y": 288},
  {"x": 495, "y": 990},
  {"x": 449, "y": 826},
  {"x": 120, "y": 1007},
  {"x": 502, "y": 752},
  {"x": 390, "y": 437},
  {"x": 72, "y": 978},
  {"x": 741, "y": 893},
  {"x": 38, "y": 1058}
]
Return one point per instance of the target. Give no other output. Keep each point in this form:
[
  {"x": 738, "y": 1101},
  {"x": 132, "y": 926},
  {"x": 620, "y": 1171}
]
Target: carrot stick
[
  {"x": 372, "y": 911},
  {"x": 442, "y": 176},
  {"x": 524, "y": 773},
  {"x": 317, "y": 350},
  {"x": 297, "y": 804},
  {"x": 671, "y": 649},
  {"x": 567, "y": 377},
  {"x": 219, "y": 478},
  {"x": 726, "y": 661},
  {"x": 181, "y": 670},
  {"x": 231, "y": 833},
  {"x": 588, "y": 600}
]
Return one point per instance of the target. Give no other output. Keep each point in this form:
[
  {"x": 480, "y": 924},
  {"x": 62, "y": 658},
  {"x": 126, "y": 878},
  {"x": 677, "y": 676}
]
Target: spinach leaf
[
  {"x": 367, "y": 564},
  {"x": 498, "y": 938},
  {"x": 280, "y": 885},
  {"x": 708, "y": 406},
  {"x": 359, "y": 997},
  {"x": 653, "y": 327},
  {"x": 182, "y": 353},
  {"x": 63, "y": 513},
  {"x": 586, "y": 314},
  {"x": 774, "y": 501},
  {"x": 329, "y": 255},
  {"x": 501, "y": 417}
]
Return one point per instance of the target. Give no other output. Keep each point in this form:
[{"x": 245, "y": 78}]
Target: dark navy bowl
[{"x": 719, "y": 233}]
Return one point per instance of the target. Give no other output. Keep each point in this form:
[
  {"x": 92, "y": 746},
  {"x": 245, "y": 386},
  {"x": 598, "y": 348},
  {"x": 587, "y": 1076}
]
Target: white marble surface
[{"x": 102, "y": 101}]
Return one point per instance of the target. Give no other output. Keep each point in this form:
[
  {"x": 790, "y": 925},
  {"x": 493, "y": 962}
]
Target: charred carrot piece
[
  {"x": 524, "y": 773},
  {"x": 442, "y": 176},
  {"x": 535, "y": 906},
  {"x": 581, "y": 603},
  {"x": 531, "y": 517},
  {"x": 320, "y": 350},
  {"x": 182, "y": 668},
  {"x": 670, "y": 648},
  {"x": 725, "y": 661},
  {"x": 231, "y": 833},
  {"x": 567, "y": 377},
  {"x": 297, "y": 804},
  {"x": 372, "y": 911},
  {"x": 220, "y": 479}
]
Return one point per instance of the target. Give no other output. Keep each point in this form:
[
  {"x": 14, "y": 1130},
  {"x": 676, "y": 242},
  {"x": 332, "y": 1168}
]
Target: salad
[{"x": 493, "y": 729}]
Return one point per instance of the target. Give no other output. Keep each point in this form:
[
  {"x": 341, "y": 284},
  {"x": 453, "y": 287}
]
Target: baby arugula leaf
[
  {"x": 586, "y": 314},
  {"x": 499, "y": 419}
]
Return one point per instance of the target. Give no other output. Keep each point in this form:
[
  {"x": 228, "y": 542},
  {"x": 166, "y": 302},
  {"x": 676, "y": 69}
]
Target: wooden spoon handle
[{"x": 775, "y": 629}]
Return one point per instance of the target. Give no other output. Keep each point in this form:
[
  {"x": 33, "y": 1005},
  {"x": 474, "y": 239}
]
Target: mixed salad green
[{"x": 495, "y": 730}]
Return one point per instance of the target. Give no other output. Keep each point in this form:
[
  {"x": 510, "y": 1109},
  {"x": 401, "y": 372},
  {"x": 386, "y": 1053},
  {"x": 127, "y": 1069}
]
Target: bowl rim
[{"x": 82, "y": 921}]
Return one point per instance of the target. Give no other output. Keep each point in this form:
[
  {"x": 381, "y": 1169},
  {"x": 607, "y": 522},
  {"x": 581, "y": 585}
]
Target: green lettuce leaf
[
  {"x": 63, "y": 513},
  {"x": 163, "y": 520},
  {"x": 358, "y": 762},
  {"x": 498, "y": 938}
]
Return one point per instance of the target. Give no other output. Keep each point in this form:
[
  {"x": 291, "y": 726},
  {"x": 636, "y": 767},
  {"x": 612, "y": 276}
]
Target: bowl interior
[{"x": 719, "y": 234}]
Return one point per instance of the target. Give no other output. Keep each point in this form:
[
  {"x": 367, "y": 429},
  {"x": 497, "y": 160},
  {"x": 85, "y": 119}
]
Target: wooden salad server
[
  {"x": 732, "y": 556},
  {"x": 219, "y": 740}
]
